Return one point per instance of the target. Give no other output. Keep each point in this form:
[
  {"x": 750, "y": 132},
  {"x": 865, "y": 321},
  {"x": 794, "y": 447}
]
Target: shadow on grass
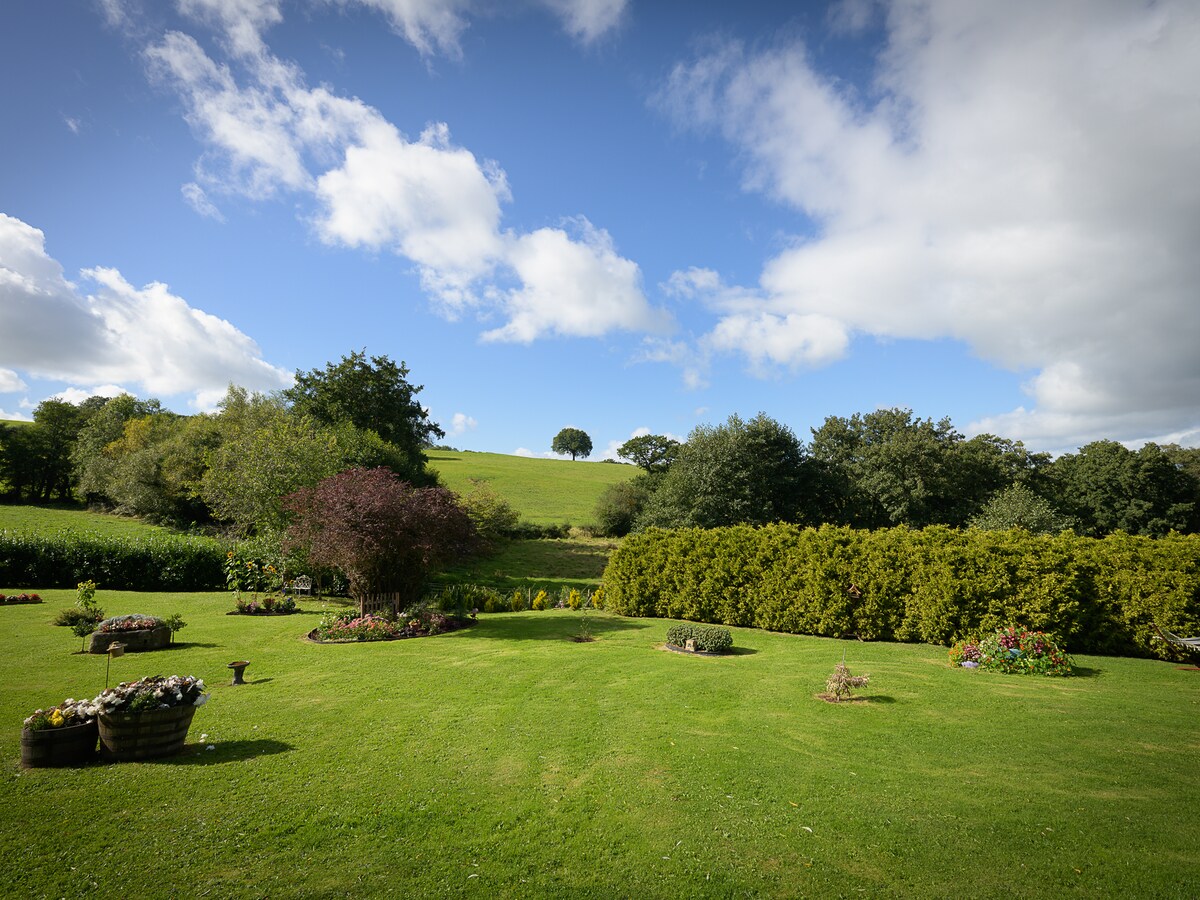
[
  {"x": 532, "y": 628},
  {"x": 224, "y": 752},
  {"x": 183, "y": 645}
]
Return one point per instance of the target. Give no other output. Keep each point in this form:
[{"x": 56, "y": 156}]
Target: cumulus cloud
[
  {"x": 10, "y": 382},
  {"x": 119, "y": 334},
  {"x": 433, "y": 202},
  {"x": 1022, "y": 178},
  {"x": 461, "y": 424},
  {"x": 574, "y": 287}
]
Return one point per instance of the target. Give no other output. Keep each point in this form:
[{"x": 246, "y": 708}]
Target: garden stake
[{"x": 114, "y": 649}]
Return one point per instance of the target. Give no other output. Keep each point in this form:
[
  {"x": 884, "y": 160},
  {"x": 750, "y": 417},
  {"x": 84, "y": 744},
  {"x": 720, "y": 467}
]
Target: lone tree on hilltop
[{"x": 573, "y": 441}]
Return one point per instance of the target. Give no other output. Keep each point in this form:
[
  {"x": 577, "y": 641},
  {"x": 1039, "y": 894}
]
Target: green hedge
[
  {"x": 937, "y": 585},
  {"x": 168, "y": 563}
]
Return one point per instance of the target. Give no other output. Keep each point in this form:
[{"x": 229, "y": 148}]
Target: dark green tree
[
  {"x": 573, "y": 441},
  {"x": 652, "y": 452},
  {"x": 373, "y": 395},
  {"x": 1109, "y": 487},
  {"x": 620, "y": 504},
  {"x": 94, "y": 465},
  {"x": 741, "y": 472}
]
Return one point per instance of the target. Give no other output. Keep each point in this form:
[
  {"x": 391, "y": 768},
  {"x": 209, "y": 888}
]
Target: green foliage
[
  {"x": 740, "y": 472},
  {"x": 652, "y": 452},
  {"x": 493, "y": 516},
  {"x": 708, "y": 638},
  {"x": 1018, "y": 507},
  {"x": 621, "y": 504},
  {"x": 1111, "y": 488},
  {"x": 166, "y": 562},
  {"x": 573, "y": 441},
  {"x": 937, "y": 585},
  {"x": 1015, "y": 651},
  {"x": 373, "y": 396}
]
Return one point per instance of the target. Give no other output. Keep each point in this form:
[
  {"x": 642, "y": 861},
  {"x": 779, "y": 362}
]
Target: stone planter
[
  {"x": 134, "y": 641},
  {"x": 132, "y": 736},
  {"x": 70, "y": 745}
]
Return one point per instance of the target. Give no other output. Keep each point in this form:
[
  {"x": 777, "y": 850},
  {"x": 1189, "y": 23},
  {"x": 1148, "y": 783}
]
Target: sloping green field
[
  {"x": 50, "y": 519},
  {"x": 543, "y": 491}
]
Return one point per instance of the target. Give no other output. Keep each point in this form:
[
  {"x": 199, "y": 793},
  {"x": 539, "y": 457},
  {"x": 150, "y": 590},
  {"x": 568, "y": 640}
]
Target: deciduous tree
[
  {"x": 652, "y": 452},
  {"x": 573, "y": 441}
]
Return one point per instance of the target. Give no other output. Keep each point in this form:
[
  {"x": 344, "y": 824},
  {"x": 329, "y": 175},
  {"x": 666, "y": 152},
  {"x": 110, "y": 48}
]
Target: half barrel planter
[
  {"x": 70, "y": 745},
  {"x": 152, "y": 734},
  {"x": 134, "y": 641}
]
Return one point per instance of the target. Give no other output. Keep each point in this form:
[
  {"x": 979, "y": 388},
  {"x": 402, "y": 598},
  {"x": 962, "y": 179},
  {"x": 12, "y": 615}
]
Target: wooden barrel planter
[
  {"x": 132, "y": 736},
  {"x": 134, "y": 641},
  {"x": 70, "y": 745}
]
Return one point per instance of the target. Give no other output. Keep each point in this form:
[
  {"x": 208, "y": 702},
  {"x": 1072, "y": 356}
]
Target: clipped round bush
[{"x": 708, "y": 638}]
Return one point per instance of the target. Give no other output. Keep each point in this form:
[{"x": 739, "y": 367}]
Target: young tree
[
  {"x": 573, "y": 441},
  {"x": 1018, "y": 507},
  {"x": 384, "y": 534},
  {"x": 372, "y": 395},
  {"x": 652, "y": 452}
]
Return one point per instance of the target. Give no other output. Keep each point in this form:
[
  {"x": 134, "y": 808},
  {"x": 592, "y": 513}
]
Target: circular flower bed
[
  {"x": 349, "y": 627},
  {"x": 19, "y": 598}
]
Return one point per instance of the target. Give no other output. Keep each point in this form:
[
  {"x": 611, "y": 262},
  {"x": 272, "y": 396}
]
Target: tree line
[
  {"x": 232, "y": 467},
  {"x": 888, "y": 468}
]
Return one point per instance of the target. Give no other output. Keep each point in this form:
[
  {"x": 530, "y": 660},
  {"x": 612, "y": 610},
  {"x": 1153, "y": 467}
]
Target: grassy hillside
[
  {"x": 49, "y": 519},
  {"x": 543, "y": 491}
]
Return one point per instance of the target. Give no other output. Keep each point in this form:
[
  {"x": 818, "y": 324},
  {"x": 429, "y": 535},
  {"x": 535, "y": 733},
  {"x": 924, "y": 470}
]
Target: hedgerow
[
  {"x": 168, "y": 563},
  {"x": 937, "y": 585}
]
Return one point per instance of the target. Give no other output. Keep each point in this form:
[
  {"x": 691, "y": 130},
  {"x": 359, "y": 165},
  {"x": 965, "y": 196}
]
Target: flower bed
[
  {"x": 1013, "y": 651},
  {"x": 12, "y": 600},
  {"x": 350, "y": 627},
  {"x": 136, "y": 632},
  {"x": 267, "y": 606},
  {"x": 63, "y": 735}
]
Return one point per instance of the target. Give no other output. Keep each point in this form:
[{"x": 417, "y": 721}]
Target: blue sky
[{"x": 616, "y": 215}]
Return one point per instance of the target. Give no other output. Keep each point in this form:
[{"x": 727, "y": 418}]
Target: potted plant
[
  {"x": 148, "y": 718},
  {"x": 63, "y": 735}
]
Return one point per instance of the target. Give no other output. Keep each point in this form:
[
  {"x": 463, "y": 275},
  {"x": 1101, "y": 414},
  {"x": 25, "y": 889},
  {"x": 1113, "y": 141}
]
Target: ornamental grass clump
[
  {"x": 154, "y": 692},
  {"x": 1014, "y": 651}
]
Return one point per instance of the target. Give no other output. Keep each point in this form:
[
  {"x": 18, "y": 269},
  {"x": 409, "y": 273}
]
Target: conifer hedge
[
  {"x": 936, "y": 585},
  {"x": 166, "y": 563}
]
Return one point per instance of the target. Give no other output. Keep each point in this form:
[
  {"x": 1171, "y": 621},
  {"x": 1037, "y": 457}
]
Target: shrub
[
  {"x": 541, "y": 601},
  {"x": 708, "y": 639},
  {"x": 517, "y": 601},
  {"x": 350, "y": 626},
  {"x": 936, "y": 586}
]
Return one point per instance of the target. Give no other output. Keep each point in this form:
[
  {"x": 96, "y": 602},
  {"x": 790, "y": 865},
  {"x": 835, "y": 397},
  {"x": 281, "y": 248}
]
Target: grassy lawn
[
  {"x": 570, "y": 562},
  {"x": 508, "y": 761},
  {"x": 51, "y": 519},
  {"x": 543, "y": 491}
]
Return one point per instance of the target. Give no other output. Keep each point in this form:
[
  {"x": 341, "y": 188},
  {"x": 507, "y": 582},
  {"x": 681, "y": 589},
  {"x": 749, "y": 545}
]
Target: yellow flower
[{"x": 56, "y": 719}]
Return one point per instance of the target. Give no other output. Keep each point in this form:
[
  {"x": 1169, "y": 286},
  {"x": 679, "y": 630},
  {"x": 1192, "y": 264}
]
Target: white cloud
[
  {"x": 198, "y": 200},
  {"x": 10, "y": 382},
  {"x": 14, "y": 416},
  {"x": 119, "y": 334},
  {"x": 1022, "y": 179},
  {"x": 574, "y": 288},
  {"x": 78, "y": 395},
  {"x": 461, "y": 424},
  {"x": 588, "y": 20},
  {"x": 427, "y": 200},
  {"x": 429, "y": 25}
]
